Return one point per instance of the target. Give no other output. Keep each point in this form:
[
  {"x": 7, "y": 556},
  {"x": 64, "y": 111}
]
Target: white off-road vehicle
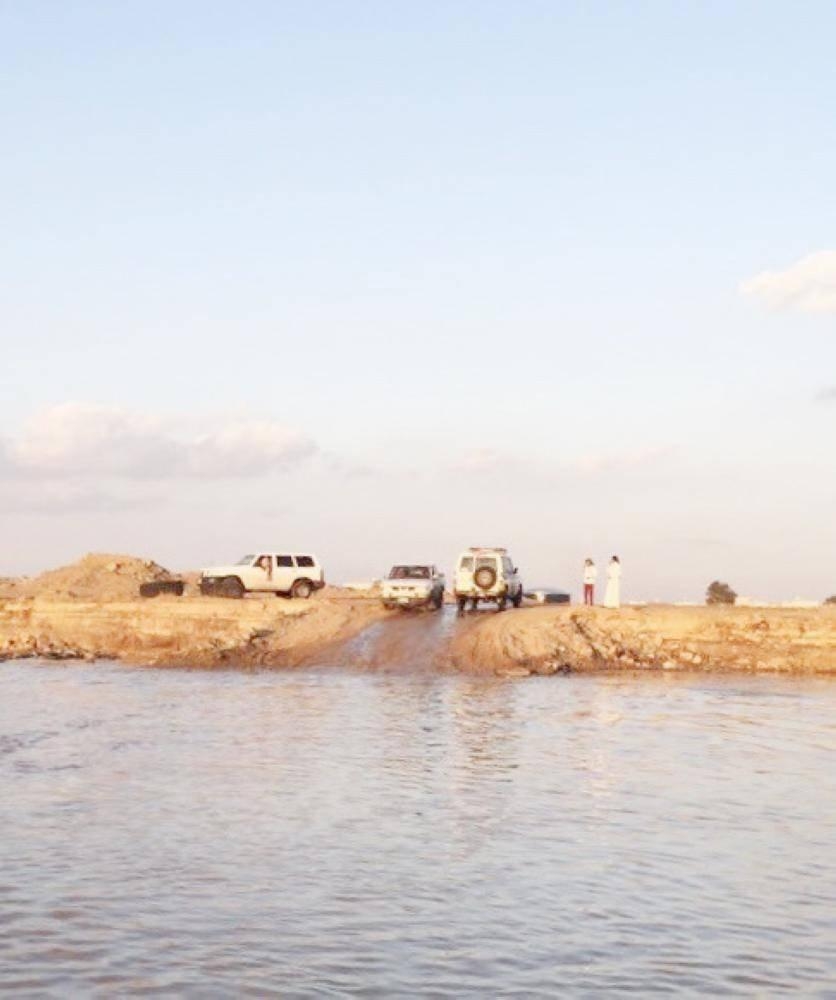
[
  {"x": 279, "y": 573},
  {"x": 484, "y": 574},
  {"x": 413, "y": 585}
]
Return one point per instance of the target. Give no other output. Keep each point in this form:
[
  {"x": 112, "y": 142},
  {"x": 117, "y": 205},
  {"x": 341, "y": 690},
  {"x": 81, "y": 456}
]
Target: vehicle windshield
[
  {"x": 245, "y": 560},
  {"x": 409, "y": 572}
]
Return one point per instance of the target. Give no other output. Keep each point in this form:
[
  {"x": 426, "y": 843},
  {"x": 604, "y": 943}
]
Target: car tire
[
  {"x": 301, "y": 589},
  {"x": 485, "y": 577},
  {"x": 461, "y": 604},
  {"x": 231, "y": 586},
  {"x": 438, "y": 600},
  {"x": 154, "y": 588},
  {"x": 501, "y": 603},
  {"x": 518, "y": 598}
]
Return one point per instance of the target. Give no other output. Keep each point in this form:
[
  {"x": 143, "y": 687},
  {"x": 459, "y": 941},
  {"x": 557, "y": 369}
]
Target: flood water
[{"x": 329, "y": 833}]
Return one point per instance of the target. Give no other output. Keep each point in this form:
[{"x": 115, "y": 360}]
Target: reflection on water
[{"x": 324, "y": 833}]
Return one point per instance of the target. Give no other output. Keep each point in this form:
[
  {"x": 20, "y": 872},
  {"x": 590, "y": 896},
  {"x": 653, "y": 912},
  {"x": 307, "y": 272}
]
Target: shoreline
[
  {"x": 207, "y": 632},
  {"x": 181, "y": 631},
  {"x": 576, "y": 639}
]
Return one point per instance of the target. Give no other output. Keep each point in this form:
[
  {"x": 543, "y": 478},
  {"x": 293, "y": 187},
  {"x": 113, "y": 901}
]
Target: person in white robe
[{"x": 612, "y": 595}]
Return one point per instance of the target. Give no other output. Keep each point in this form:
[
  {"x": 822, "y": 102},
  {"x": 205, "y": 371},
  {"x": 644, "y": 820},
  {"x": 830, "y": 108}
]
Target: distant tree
[
  {"x": 719, "y": 593},
  {"x": 831, "y": 600}
]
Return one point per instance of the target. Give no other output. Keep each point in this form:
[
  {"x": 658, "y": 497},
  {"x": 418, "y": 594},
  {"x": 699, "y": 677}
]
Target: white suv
[
  {"x": 487, "y": 575},
  {"x": 288, "y": 574}
]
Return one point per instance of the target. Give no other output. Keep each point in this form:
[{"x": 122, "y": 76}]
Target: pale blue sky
[{"x": 484, "y": 257}]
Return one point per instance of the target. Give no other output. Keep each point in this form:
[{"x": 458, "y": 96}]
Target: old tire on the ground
[
  {"x": 231, "y": 586},
  {"x": 485, "y": 577},
  {"x": 301, "y": 589}
]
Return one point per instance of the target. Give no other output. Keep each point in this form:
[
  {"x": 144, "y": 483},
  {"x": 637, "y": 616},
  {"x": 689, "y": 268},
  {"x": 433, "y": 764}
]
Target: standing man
[
  {"x": 612, "y": 595},
  {"x": 590, "y": 574}
]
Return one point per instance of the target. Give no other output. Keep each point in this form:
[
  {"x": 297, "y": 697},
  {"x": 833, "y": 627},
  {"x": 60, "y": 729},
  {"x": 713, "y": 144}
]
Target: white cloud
[
  {"x": 86, "y": 440},
  {"x": 639, "y": 458},
  {"x": 485, "y": 460},
  {"x": 70, "y": 498},
  {"x": 488, "y": 462},
  {"x": 809, "y": 285},
  {"x": 246, "y": 448}
]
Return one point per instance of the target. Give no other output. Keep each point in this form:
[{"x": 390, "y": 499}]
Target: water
[{"x": 325, "y": 833}]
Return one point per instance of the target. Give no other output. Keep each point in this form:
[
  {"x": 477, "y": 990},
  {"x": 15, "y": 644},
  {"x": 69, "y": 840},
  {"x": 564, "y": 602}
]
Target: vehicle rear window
[
  {"x": 486, "y": 561},
  {"x": 304, "y": 561},
  {"x": 284, "y": 560},
  {"x": 466, "y": 563}
]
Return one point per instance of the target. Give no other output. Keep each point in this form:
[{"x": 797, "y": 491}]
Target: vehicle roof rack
[{"x": 486, "y": 548}]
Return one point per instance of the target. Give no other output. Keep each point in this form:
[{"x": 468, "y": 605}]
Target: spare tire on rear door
[{"x": 485, "y": 577}]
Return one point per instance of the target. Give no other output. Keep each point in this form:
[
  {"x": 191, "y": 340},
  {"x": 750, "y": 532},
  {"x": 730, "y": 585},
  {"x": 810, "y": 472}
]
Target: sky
[{"x": 385, "y": 280}]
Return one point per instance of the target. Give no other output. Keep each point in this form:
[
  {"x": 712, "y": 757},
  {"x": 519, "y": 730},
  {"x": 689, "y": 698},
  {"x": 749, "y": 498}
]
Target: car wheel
[
  {"x": 501, "y": 603},
  {"x": 438, "y": 600},
  {"x": 231, "y": 586},
  {"x": 461, "y": 604},
  {"x": 302, "y": 589},
  {"x": 518, "y": 598},
  {"x": 156, "y": 587}
]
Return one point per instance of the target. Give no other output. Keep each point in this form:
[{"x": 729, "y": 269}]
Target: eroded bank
[
  {"x": 653, "y": 637},
  {"x": 171, "y": 631},
  {"x": 358, "y": 633}
]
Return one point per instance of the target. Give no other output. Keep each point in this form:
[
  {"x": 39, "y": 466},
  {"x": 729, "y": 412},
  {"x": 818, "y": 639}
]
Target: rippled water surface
[{"x": 328, "y": 833}]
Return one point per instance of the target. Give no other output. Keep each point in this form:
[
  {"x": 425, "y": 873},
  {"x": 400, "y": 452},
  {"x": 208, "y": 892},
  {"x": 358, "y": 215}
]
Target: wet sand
[
  {"x": 189, "y": 631},
  {"x": 358, "y": 633},
  {"x": 653, "y": 637}
]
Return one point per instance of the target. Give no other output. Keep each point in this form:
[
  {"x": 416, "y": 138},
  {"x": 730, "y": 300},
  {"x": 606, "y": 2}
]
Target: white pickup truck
[
  {"x": 413, "y": 585},
  {"x": 280, "y": 573}
]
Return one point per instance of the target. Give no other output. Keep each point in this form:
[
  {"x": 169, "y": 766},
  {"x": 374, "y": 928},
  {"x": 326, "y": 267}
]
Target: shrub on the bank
[
  {"x": 831, "y": 599},
  {"x": 719, "y": 593}
]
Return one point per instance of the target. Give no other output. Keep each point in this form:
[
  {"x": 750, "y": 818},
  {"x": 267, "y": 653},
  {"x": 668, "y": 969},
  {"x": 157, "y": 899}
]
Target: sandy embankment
[
  {"x": 587, "y": 640},
  {"x": 188, "y": 631},
  {"x": 90, "y": 610},
  {"x": 205, "y": 631}
]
